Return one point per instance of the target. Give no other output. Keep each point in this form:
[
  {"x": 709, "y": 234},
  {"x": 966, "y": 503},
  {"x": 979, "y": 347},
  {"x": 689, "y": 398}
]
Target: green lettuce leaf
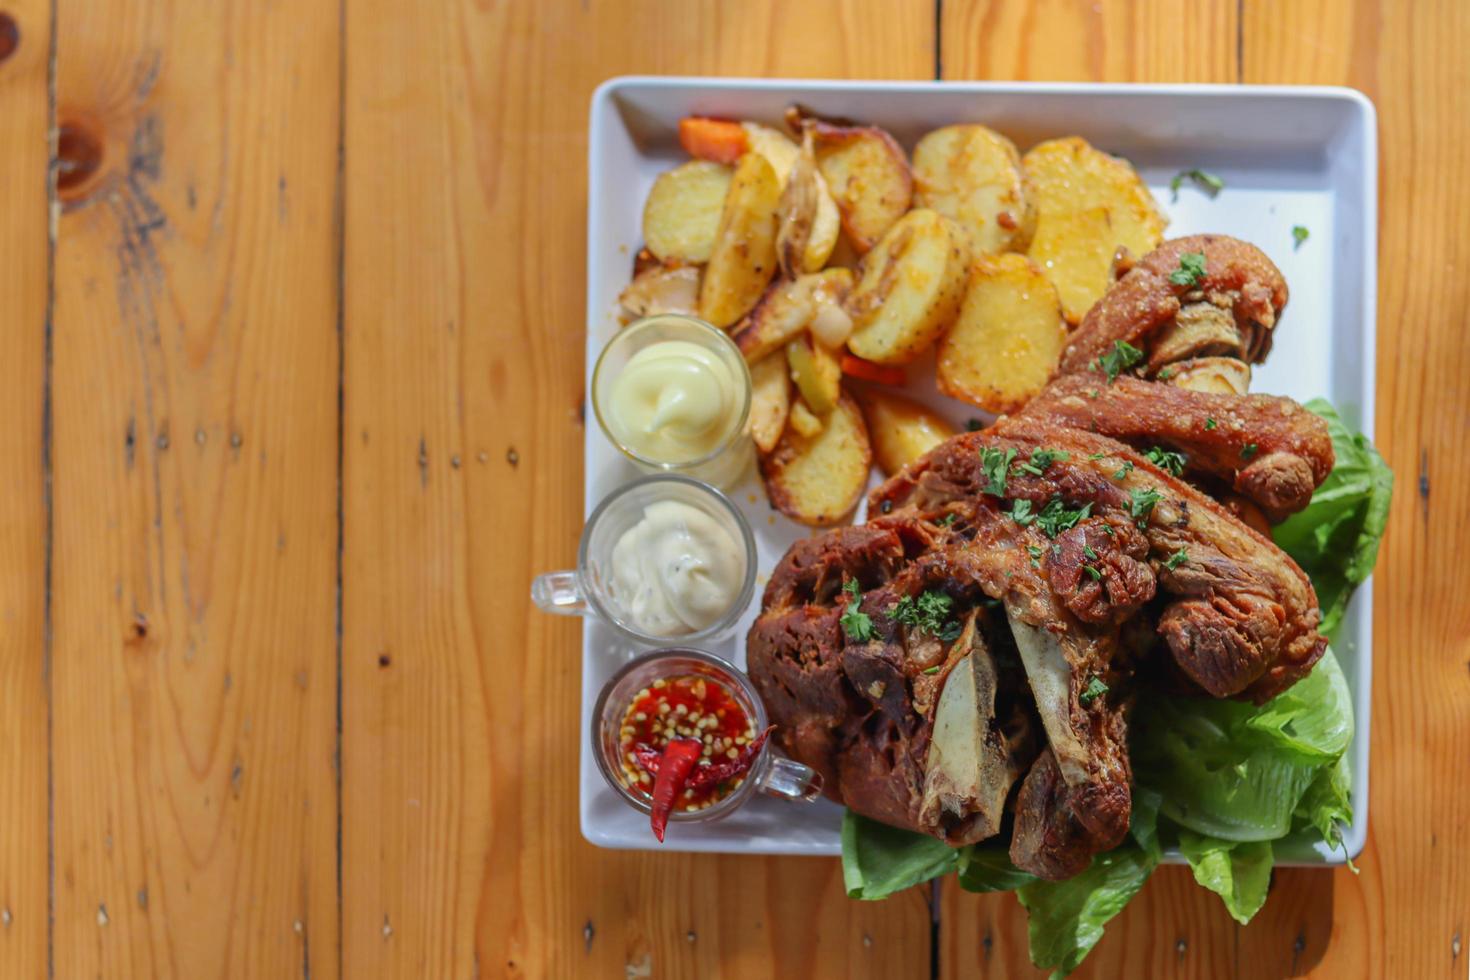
[
  {"x": 1335, "y": 539},
  {"x": 987, "y": 867},
  {"x": 878, "y": 860},
  {"x": 1313, "y": 719},
  {"x": 1067, "y": 917},
  {"x": 1327, "y": 803},
  {"x": 1239, "y": 872}
]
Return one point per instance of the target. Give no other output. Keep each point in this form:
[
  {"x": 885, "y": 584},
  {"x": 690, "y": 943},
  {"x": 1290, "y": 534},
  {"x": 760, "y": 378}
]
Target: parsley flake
[
  {"x": 996, "y": 463},
  {"x": 1141, "y": 503},
  {"x": 927, "y": 613},
  {"x": 1209, "y": 424},
  {"x": 1021, "y": 512},
  {"x": 1176, "y": 559},
  {"x": 1299, "y": 234},
  {"x": 933, "y": 670},
  {"x": 1166, "y": 374},
  {"x": 1056, "y": 517},
  {"x": 1094, "y": 690},
  {"x": 1041, "y": 459},
  {"x": 1191, "y": 269},
  {"x": 1122, "y": 357},
  {"x": 1087, "y": 550},
  {"x": 1097, "y": 456},
  {"x": 1126, "y": 469},
  {"x": 948, "y": 520},
  {"x": 857, "y": 625},
  {"x": 1165, "y": 460},
  {"x": 1203, "y": 179},
  {"x": 1093, "y": 573},
  {"x": 1249, "y": 450}
]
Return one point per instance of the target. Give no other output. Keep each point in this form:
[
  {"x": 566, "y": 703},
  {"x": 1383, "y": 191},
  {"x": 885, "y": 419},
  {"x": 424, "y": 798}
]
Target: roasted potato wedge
[
  {"x": 816, "y": 372},
  {"x": 682, "y": 214},
  {"x": 743, "y": 259},
  {"x": 910, "y": 289},
  {"x": 825, "y": 225},
  {"x": 900, "y": 429},
  {"x": 819, "y": 479},
  {"x": 788, "y": 308},
  {"x": 1005, "y": 344},
  {"x": 770, "y": 401},
  {"x": 1086, "y": 204},
  {"x": 803, "y": 422},
  {"x": 868, "y": 175},
  {"x": 662, "y": 289},
  {"x": 972, "y": 175}
]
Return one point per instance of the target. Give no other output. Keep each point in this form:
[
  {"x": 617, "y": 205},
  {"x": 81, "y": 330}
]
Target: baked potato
[
  {"x": 1005, "y": 344},
  {"x": 909, "y": 290},
  {"x": 682, "y": 214},
  {"x": 662, "y": 289},
  {"x": 743, "y": 258},
  {"x": 802, "y": 421},
  {"x": 866, "y": 171},
  {"x": 972, "y": 175},
  {"x": 816, "y": 372},
  {"x": 824, "y": 226},
  {"x": 770, "y": 401},
  {"x": 1085, "y": 205},
  {"x": 818, "y": 480},
  {"x": 788, "y": 308},
  {"x": 900, "y": 429}
]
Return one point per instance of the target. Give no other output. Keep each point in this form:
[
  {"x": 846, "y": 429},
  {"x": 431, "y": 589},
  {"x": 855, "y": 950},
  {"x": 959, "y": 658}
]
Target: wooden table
[{"x": 291, "y": 410}]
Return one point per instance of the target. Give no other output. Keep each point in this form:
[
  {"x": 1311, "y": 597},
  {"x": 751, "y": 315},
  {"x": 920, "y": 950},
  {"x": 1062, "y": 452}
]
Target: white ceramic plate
[{"x": 1289, "y": 156}]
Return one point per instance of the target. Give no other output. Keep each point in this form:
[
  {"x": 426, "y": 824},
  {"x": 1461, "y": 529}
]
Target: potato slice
[
  {"x": 743, "y": 259},
  {"x": 662, "y": 289},
  {"x": 816, "y": 372},
  {"x": 770, "y": 401},
  {"x": 783, "y": 155},
  {"x": 868, "y": 175},
  {"x": 787, "y": 309},
  {"x": 972, "y": 175},
  {"x": 803, "y": 422},
  {"x": 911, "y": 286},
  {"x": 1005, "y": 345},
  {"x": 682, "y": 214},
  {"x": 818, "y": 480},
  {"x": 901, "y": 429},
  {"x": 1086, "y": 205}
]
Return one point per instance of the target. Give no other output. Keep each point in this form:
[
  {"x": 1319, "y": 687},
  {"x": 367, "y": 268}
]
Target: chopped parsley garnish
[
  {"x": 1203, "y": 179},
  {"x": 1141, "y": 503},
  {"x": 933, "y": 670},
  {"x": 1126, "y": 469},
  {"x": 1041, "y": 459},
  {"x": 1191, "y": 269},
  {"x": 1055, "y": 517},
  {"x": 1209, "y": 424},
  {"x": 1097, "y": 456},
  {"x": 857, "y": 625},
  {"x": 996, "y": 463},
  {"x": 1021, "y": 512},
  {"x": 973, "y": 425},
  {"x": 1249, "y": 450},
  {"x": 1095, "y": 689},
  {"x": 951, "y": 631},
  {"x": 1176, "y": 559},
  {"x": 1299, "y": 234},
  {"x": 1108, "y": 530},
  {"x": 1093, "y": 573},
  {"x": 1165, "y": 460},
  {"x": 1122, "y": 357},
  {"x": 1166, "y": 374},
  {"x": 1035, "y": 552},
  {"x": 1087, "y": 550},
  {"x": 927, "y": 613},
  {"x": 948, "y": 520}
]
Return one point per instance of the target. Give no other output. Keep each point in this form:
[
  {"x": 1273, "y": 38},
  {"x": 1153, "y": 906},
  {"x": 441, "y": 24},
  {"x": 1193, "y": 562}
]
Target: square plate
[{"x": 1289, "y": 156}]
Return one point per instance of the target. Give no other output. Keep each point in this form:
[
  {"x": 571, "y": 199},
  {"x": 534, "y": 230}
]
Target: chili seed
[
  {"x": 660, "y": 683},
  {"x": 681, "y": 710},
  {"x": 732, "y": 754},
  {"x": 741, "y": 739},
  {"x": 641, "y": 716},
  {"x": 664, "y": 708}
]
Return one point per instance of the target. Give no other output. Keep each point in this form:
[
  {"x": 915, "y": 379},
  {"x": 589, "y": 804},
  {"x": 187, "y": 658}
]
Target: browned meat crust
[
  {"x": 1238, "y": 277},
  {"x": 1270, "y": 449}
]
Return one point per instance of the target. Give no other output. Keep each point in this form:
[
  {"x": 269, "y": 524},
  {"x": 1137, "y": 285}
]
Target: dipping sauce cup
[
  {"x": 630, "y": 688},
  {"x": 673, "y": 393},
  {"x": 629, "y": 587}
]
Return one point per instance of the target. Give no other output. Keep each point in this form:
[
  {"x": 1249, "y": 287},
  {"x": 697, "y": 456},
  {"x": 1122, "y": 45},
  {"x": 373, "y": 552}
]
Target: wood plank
[
  {"x": 25, "y": 41},
  {"x": 1173, "y": 928},
  {"x": 1406, "y": 914},
  {"x": 466, "y": 147},
  {"x": 196, "y": 380}
]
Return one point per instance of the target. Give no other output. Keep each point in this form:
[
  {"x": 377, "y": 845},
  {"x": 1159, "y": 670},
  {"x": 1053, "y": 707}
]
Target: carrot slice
[
  {"x": 884, "y": 374},
  {"x": 717, "y": 140}
]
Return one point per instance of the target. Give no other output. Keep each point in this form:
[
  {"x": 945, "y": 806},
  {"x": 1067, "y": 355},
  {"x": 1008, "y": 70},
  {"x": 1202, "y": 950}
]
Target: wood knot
[
  {"x": 78, "y": 158},
  {"x": 9, "y": 36}
]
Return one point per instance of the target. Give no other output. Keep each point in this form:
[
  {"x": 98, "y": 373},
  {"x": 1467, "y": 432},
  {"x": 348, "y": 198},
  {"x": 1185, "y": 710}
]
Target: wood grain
[
  {"x": 25, "y": 40},
  {"x": 195, "y": 382},
  {"x": 466, "y": 148},
  {"x": 1408, "y": 913}
]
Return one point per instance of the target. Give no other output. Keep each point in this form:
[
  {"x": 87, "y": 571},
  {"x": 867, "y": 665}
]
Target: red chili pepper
[
  {"x": 647, "y": 757},
  {"x": 673, "y": 770},
  {"x": 718, "y": 772}
]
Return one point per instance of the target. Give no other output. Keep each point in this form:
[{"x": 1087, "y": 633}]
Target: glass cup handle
[
  {"x": 559, "y": 592},
  {"x": 790, "y": 780}
]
